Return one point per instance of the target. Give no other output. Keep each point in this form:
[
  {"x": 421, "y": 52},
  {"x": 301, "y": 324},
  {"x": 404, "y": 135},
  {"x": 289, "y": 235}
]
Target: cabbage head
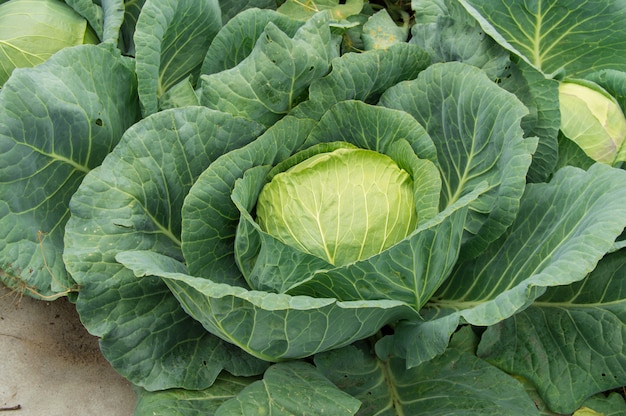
[
  {"x": 33, "y": 30},
  {"x": 593, "y": 119},
  {"x": 342, "y": 206}
]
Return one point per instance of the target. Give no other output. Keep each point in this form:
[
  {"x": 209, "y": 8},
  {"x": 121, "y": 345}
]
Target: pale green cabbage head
[
  {"x": 592, "y": 119},
  {"x": 342, "y": 206},
  {"x": 33, "y": 30}
]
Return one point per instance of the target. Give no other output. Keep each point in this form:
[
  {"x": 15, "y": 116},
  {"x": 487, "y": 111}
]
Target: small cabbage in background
[
  {"x": 33, "y": 30},
  {"x": 593, "y": 119}
]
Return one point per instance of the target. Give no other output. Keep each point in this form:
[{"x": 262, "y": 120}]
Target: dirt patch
[{"x": 51, "y": 365}]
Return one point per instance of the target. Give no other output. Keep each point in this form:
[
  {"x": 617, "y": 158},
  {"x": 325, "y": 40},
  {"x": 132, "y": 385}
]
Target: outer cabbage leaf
[
  {"x": 275, "y": 76},
  {"x": 93, "y": 12},
  {"x": 456, "y": 383},
  {"x": 381, "y": 31},
  {"x": 182, "y": 94},
  {"x": 428, "y": 11},
  {"x": 57, "y": 122},
  {"x": 171, "y": 39},
  {"x": 362, "y": 76},
  {"x": 611, "y": 405},
  {"x": 236, "y": 40},
  {"x": 372, "y": 127},
  {"x": 293, "y": 387},
  {"x": 563, "y": 228},
  {"x": 267, "y": 325},
  {"x": 181, "y": 402},
  {"x": 541, "y": 96},
  {"x": 209, "y": 215},
  {"x": 454, "y": 35},
  {"x": 475, "y": 126},
  {"x": 114, "y": 12},
  {"x": 571, "y": 336},
  {"x": 289, "y": 389},
  {"x": 578, "y": 36},
  {"x": 133, "y": 201},
  {"x": 106, "y": 17}
]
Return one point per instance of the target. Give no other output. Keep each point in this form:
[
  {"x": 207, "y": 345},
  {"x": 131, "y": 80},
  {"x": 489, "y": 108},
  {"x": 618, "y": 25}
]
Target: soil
[{"x": 50, "y": 365}]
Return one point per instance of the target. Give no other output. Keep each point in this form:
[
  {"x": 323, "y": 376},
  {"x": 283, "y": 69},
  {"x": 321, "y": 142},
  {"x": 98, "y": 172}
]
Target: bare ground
[{"x": 50, "y": 365}]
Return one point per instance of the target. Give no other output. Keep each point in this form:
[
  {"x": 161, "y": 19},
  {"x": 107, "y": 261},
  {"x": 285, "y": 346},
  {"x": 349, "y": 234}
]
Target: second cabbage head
[{"x": 33, "y": 30}]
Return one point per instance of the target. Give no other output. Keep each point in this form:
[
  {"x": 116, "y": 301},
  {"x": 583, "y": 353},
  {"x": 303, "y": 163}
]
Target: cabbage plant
[
  {"x": 308, "y": 210},
  {"x": 33, "y": 30}
]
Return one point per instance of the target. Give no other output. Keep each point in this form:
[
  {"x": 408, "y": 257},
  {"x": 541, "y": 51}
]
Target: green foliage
[
  {"x": 59, "y": 121},
  {"x": 134, "y": 173},
  {"x": 554, "y": 36}
]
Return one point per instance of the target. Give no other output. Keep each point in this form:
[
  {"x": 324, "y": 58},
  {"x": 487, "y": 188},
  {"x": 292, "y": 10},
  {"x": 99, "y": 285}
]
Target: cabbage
[
  {"x": 132, "y": 181},
  {"x": 33, "y": 30},
  {"x": 592, "y": 119},
  {"x": 342, "y": 206}
]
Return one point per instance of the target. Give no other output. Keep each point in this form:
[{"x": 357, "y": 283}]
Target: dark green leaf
[
  {"x": 475, "y": 126},
  {"x": 233, "y": 8},
  {"x": 291, "y": 388},
  {"x": 275, "y": 76},
  {"x": 210, "y": 217},
  {"x": 180, "y": 402},
  {"x": 236, "y": 40},
  {"x": 133, "y": 201},
  {"x": 571, "y": 336},
  {"x": 132, "y": 8},
  {"x": 578, "y": 36},
  {"x": 611, "y": 405},
  {"x": 541, "y": 96},
  {"x": 171, "y": 39},
  {"x": 362, "y": 76},
  {"x": 563, "y": 228},
  {"x": 93, "y": 12},
  {"x": 453, "y": 35},
  {"x": 456, "y": 383},
  {"x": 57, "y": 122}
]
